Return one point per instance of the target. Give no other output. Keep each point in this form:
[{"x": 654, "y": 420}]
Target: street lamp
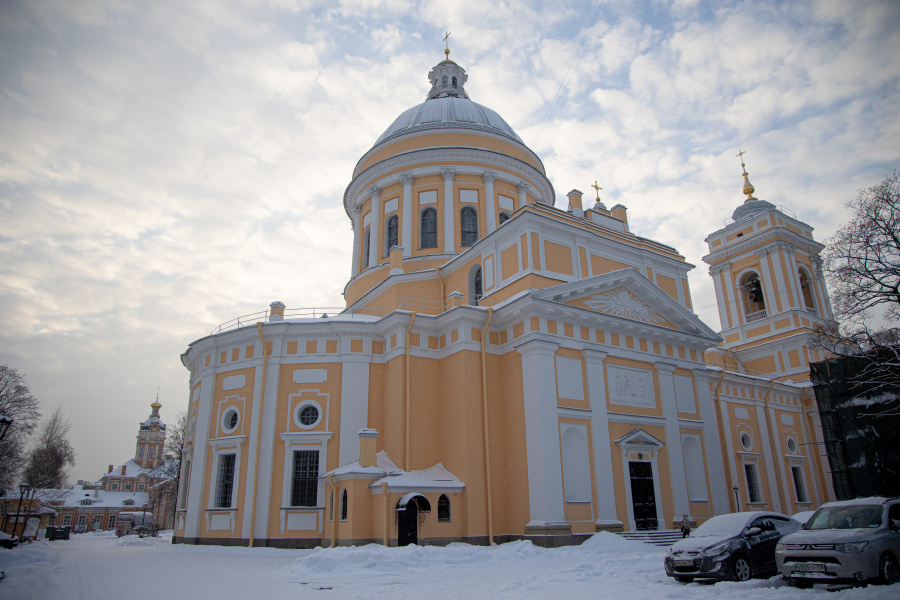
[
  {"x": 23, "y": 489},
  {"x": 737, "y": 499},
  {"x": 5, "y": 422}
]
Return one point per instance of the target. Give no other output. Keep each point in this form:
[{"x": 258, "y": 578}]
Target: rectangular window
[
  {"x": 752, "y": 483},
  {"x": 140, "y": 487},
  {"x": 114, "y": 487},
  {"x": 127, "y": 487},
  {"x": 225, "y": 481},
  {"x": 182, "y": 490},
  {"x": 82, "y": 519},
  {"x": 67, "y": 519},
  {"x": 111, "y": 522},
  {"x": 797, "y": 472},
  {"x": 305, "y": 478},
  {"x": 52, "y": 520}
]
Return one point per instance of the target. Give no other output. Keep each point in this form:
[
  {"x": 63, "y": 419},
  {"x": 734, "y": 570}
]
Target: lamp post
[
  {"x": 23, "y": 489},
  {"x": 737, "y": 499}
]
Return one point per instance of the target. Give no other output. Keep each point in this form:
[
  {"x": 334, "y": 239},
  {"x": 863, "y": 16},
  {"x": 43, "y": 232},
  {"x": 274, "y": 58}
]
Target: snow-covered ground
[{"x": 100, "y": 566}]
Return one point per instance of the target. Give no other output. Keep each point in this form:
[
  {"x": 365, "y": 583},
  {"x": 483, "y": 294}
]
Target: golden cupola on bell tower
[{"x": 769, "y": 289}]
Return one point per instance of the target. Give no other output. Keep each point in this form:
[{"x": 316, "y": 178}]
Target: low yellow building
[{"x": 505, "y": 369}]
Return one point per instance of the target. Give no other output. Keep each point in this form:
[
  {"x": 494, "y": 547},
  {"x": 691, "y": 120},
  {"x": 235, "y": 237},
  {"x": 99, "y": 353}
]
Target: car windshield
[
  {"x": 723, "y": 525},
  {"x": 846, "y": 517}
]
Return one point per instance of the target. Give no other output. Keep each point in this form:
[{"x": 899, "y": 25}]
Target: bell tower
[
  {"x": 769, "y": 288},
  {"x": 151, "y": 439}
]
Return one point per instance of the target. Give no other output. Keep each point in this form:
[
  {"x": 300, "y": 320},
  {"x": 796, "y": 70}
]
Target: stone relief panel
[
  {"x": 622, "y": 303},
  {"x": 630, "y": 387}
]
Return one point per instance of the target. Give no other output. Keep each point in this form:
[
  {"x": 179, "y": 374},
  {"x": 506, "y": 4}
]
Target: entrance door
[
  {"x": 643, "y": 498},
  {"x": 407, "y": 524}
]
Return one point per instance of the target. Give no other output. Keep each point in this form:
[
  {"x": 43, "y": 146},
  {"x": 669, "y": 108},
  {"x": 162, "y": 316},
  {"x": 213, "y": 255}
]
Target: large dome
[{"x": 448, "y": 112}]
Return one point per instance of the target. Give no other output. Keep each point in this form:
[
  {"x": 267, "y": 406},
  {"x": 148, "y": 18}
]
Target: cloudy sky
[{"x": 167, "y": 166}]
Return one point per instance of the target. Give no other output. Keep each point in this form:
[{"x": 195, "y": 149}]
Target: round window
[
  {"x": 307, "y": 414},
  {"x": 230, "y": 420},
  {"x": 746, "y": 441},
  {"x": 792, "y": 445}
]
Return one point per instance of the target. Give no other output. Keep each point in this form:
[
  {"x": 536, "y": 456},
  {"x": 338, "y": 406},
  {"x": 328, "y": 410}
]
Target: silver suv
[{"x": 855, "y": 541}]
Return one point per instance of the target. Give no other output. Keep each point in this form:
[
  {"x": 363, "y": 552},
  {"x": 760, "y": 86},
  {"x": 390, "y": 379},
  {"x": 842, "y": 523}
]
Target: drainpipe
[
  {"x": 775, "y": 458},
  {"x": 487, "y": 441},
  {"x": 387, "y": 505},
  {"x": 722, "y": 443},
  {"x": 262, "y": 394},
  {"x": 322, "y": 543},
  {"x": 334, "y": 516},
  {"x": 408, "y": 331}
]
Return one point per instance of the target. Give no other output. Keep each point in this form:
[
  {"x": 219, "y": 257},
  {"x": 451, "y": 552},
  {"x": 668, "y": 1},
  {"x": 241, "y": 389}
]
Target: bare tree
[
  {"x": 52, "y": 453},
  {"x": 163, "y": 495},
  {"x": 17, "y": 403},
  {"x": 862, "y": 264}
]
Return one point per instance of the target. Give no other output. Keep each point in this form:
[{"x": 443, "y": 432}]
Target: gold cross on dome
[
  {"x": 447, "y": 42},
  {"x": 598, "y": 188},
  {"x": 740, "y": 155}
]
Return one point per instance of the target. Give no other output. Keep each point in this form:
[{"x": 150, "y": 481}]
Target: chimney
[
  {"x": 396, "y": 260},
  {"x": 123, "y": 469},
  {"x": 276, "y": 311},
  {"x": 367, "y": 447},
  {"x": 575, "y": 205},
  {"x": 620, "y": 211},
  {"x": 111, "y": 467}
]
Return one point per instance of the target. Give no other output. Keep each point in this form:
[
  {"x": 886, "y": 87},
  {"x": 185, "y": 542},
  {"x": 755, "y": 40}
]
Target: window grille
[
  {"x": 365, "y": 248},
  {"x": 468, "y": 220},
  {"x": 225, "y": 482},
  {"x": 305, "y": 478},
  {"x": 428, "y": 231},
  {"x": 111, "y": 522},
  {"x": 797, "y": 472},
  {"x": 443, "y": 508},
  {"x": 392, "y": 233},
  {"x": 752, "y": 484}
]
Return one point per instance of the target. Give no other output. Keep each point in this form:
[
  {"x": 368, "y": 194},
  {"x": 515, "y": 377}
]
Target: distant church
[{"x": 505, "y": 369}]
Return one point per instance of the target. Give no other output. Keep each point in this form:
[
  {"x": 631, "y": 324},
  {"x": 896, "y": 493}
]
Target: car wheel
[
  {"x": 740, "y": 569},
  {"x": 888, "y": 572},
  {"x": 681, "y": 579}
]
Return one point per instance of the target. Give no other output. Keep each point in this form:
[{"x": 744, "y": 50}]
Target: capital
[
  {"x": 407, "y": 179},
  {"x": 762, "y": 253},
  {"x": 488, "y": 176},
  {"x": 523, "y": 186},
  {"x": 448, "y": 174},
  {"x": 375, "y": 192}
]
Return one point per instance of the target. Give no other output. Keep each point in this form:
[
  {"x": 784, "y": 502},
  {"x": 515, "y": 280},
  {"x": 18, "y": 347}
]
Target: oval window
[{"x": 230, "y": 420}]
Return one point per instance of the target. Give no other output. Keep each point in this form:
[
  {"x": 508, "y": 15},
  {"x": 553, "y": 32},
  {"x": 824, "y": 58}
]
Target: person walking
[{"x": 685, "y": 526}]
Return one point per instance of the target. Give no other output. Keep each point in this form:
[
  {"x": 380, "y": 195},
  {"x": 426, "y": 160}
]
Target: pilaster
[
  {"x": 449, "y": 213},
  {"x": 665, "y": 372},
  {"x": 490, "y": 204},
  {"x": 603, "y": 469},
  {"x": 375, "y": 227},
  {"x": 406, "y": 229}
]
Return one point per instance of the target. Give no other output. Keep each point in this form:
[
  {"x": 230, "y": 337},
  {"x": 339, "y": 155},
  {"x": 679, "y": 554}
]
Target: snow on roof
[
  {"x": 99, "y": 498},
  {"x": 132, "y": 469},
  {"x": 437, "y": 478},
  {"x": 383, "y": 466}
]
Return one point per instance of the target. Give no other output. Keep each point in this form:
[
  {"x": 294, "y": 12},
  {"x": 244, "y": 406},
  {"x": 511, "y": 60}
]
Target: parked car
[
  {"x": 8, "y": 541},
  {"x": 736, "y": 546},
  {"x": 855, "y": 541}
]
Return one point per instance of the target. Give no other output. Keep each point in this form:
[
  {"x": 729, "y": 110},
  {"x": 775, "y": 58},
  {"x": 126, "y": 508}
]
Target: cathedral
[{"x": 505, "y": 369}]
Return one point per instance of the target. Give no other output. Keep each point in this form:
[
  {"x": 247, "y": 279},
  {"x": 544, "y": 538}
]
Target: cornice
[{"x": 770, "y": 240}]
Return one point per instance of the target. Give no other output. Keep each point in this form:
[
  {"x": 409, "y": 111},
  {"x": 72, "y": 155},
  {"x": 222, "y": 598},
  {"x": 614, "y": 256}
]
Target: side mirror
[{"x": 751, "y": 531}]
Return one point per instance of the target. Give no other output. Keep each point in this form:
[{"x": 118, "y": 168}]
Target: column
[
  {"x": 354, "y": 404},
  {"x": 603, "y": 470},
  {"x": 406, "y": 229},
  {"x": 722, "y": 305},
  {"x": 783, "y": 284},
  {"x": 490, "y": 203},
  {"x": 712, "y": 443},
  {"x": 200, "y": 451},
  {"x": 523, "y": 193},
  {"x": 545, "y": 492},
  {"x": 794, "y": 273},
  {"x": 375, "y": 226},
  {"x": 665, "y": 373},
  {"x": 822, "y": 299},
  {"x": 357, "y": 236},
  {"x": 768, "y": 282},
  {"x": 449, "y": 221},
  {"x": 263, "y": 408},
  {"x": 734, "y": 304}
]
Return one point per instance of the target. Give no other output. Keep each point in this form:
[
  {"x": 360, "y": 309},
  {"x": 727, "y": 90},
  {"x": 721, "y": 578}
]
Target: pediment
[
  {"x": 627, "y": 294},
  {"x": 640, "y": 439}
]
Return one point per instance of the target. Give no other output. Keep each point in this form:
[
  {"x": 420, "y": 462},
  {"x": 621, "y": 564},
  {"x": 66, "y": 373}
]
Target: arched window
[
  {"x": 444, "y": 80},
  {"x": 807, "y": 291},
  {"x": 344, "y": 505},
  {"x": 443, "y": 508},
  {"x": 454, "y": 81},
  {"x": 468, "y": 226},
  {"x": 141, "y": 452},
  {"x": 754, "y": 300},
  {"x": 391, "y": 232},
  {"x": 504, "y": 217},
  {"x": 428, "y": 229},
  {"x": 365, "y": 248},
  {"x": 476, "y": 285},
  {"x": 150, "y": 452}
]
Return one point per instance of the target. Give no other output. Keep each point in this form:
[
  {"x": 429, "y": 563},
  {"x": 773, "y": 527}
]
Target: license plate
[
  {"x": 810, "y": 567},
  {"x": 685, "y": 563}
]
